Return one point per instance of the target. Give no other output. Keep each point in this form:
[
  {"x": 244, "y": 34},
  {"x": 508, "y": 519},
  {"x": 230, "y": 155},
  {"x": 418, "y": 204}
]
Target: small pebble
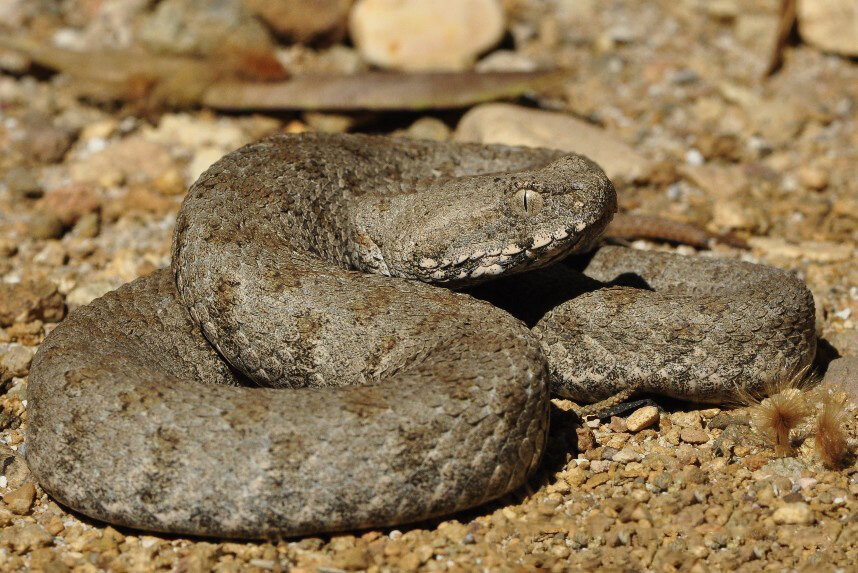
[
  {"x": 642, "y": 418},
  {"x": 686, "y": 419},
  {"x": 813, "y": 178},
  {"x": 806, "y": 482},
  {"x": 693, "y": 436},
  {"x": 798, "y": 513},
  {"x": 586, "y": 438},
  {"x": 627, "y": 455},
  {"x": 21, "y": 500},
  {"x": 599, "y": 466},
  {"x": 22, "y": 537},
  {"x": 617, "y": 424},
  {"x": 28, "y": 301},
  {"x": 15, "y": 360},
  {"x": 45, "y": 226}
]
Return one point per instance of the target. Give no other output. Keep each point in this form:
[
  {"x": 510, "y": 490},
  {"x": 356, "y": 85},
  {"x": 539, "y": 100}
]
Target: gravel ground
[{"x": 88, "y": 196}]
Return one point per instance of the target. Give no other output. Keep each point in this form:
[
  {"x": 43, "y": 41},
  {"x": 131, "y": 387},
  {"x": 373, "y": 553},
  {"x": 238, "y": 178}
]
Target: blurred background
[
  {"x": 738, "y": 118},
  {"x": 734, "y": 116}
]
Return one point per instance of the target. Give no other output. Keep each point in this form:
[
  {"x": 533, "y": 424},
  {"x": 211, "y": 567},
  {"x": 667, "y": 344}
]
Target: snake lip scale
[{"x": 298, "y": 368}]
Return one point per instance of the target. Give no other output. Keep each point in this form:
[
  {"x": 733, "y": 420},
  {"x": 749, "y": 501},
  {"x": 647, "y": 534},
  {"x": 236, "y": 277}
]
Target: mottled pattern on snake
[{"x": 294, "y": 373}]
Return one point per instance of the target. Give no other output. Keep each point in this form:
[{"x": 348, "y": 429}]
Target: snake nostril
[{"x": 527, "y": 201}]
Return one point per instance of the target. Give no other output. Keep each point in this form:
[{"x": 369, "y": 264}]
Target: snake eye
[{"x": 527, "y": 201}]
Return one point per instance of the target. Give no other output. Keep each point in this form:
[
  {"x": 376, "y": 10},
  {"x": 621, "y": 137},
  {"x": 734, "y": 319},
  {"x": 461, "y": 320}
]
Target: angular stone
[
  {"x": 24, "y": 537},
  {"x": 20, "y": 500},
  {"x": 194, "y": 28},
  {"x": 30, "y": 300},
  {"x": 642, "y": 418},
  {"x": 14, "y": 361}
]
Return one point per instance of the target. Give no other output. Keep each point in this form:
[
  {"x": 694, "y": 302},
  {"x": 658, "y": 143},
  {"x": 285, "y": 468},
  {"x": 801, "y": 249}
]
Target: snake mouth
[{"x": 485, "y": 263}]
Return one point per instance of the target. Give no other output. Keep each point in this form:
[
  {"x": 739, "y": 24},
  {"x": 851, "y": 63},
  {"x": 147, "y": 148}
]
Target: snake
[{"x": 363, "y": 331}]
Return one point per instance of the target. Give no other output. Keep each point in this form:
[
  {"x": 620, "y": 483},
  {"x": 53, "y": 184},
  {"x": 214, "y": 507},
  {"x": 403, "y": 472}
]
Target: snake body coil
[{"x": 293, "y": 372}]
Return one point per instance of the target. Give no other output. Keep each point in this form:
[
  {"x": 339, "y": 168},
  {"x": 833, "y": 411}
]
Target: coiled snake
[{"x": 298, "y": 369}]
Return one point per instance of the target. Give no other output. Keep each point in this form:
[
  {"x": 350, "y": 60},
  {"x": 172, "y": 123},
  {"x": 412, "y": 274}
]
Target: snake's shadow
[{"x": 529, "y": 296}]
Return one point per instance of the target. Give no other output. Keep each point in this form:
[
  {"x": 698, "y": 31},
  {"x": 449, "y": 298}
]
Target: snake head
[{"x": 459, "y": 231}]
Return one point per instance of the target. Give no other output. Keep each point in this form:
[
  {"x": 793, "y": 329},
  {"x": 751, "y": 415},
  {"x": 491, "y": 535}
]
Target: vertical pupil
[{"x": 525, "y": 200}]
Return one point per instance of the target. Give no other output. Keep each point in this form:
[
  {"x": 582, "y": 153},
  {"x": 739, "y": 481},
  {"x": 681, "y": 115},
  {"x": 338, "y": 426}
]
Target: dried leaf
[
  {"x": 786, "y": 25},
  {"x": 378, "y": 91},
  {"x": 634, "y": 226},
  {"x": 135, "y": 74}
]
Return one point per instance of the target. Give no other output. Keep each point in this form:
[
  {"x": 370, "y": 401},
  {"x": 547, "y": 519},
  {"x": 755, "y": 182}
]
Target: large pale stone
[
  {"x": 516, "y": 125},
  {"x": 421, "y": 35},
  {"x": 830, "y": 24}
]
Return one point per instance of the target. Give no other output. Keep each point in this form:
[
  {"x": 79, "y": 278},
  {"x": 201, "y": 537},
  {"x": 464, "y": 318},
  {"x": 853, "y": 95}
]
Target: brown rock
[
  {"x": 48, "y": 560},
  {"x": 140, "y": 198},
  {"x": 107, "y": 542},
  {"x": 409, "y": 562},
  {"x": 171, "y": 182},
  {"x": 303, "y": 21},
  {"x": 54, "y": 525},
  {"x": 68, "y": 204},
  {"x": 27, "y": 333},
  {"x": 201, "y": 557},
  {"x": 661, "y": 481},
  {"x": 8, "y": 247},
  {"x": 686, "y": 419},
  {"x": 30, "y": 300},
  {"x": 353, "y": 559},
  {"x": 87, "y": 226},
  {"x": 52, "y": 254},
  {"x": 586, "y": 438},
  {"x": 693, "y": 436},
  {"x": 719, "y": 146},
  {"x": 22, "y": 183},
  {"x": 686, "y": 454},
  {"x": 39, "y": 141},
  {"x": 45, "y": 226},
  {"x": 24, "y": 537},
  {"x": 87, "y": 292},
  {"x": 20, "y": 500},
  {"x": 617, "y": 424}
]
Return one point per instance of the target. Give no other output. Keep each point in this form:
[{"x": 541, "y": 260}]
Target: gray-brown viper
[{"x": 298, "y": 369}]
